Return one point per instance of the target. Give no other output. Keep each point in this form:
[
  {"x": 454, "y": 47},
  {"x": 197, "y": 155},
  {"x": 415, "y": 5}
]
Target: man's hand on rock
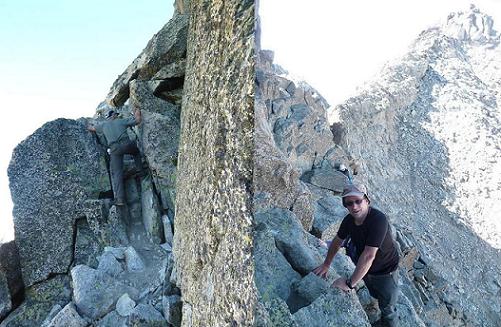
[
  {"x": 341, "y": 284},
  {"x": 321, "y": 270}
]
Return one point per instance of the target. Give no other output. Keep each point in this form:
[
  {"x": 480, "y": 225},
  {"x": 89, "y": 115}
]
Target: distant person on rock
[
  {"x": 365, "y": 232},
  {"x": 119, "y": 144}
]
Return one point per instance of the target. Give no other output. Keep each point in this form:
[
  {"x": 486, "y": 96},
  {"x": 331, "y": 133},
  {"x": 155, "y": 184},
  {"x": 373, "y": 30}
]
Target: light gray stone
[
  {"x": 329, "y": 179},
  {"x": 274, "y": 275},
  {"x": 274, "y": 312},
  {"x": 145, "y": 315},
  {"x": 106, "y": 223},
  {"x": 109, "y": 264},
  {"x": 112, "y": 319},
  {"x": 51, "y": 174},
  {"x": 329, "y": 212},
  {"x": 175, "y": 69},
  {"x": 68, "y": 316},
  {"x": 53, "y": 312},
  {"x": 311, "y": 287},
  {"x": 119, "y": 252},
  {"x": 334, "y": 308},
  {"x": 125, "y": 305},
  {"x": 95, "y": 292},
  {"x": 166, "y": 246},
  {"x": 291, "y": 239},
  {"x": 133, "y": 261}
]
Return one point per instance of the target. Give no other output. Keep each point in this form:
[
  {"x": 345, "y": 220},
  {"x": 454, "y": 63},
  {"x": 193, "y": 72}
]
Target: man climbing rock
[
  {"x": 119, "y": 144},
  {"x": 365, "y": 232}
]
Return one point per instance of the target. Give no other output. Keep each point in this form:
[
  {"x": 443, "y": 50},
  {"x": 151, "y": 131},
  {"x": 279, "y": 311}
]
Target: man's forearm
[
  {"x": 333, "y": 249},
  {"x": 363, "y": 265},
  {"x": 137, "y": 115}
]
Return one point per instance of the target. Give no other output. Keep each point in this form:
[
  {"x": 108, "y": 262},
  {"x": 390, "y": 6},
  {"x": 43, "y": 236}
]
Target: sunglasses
[{"x": 351, "y": 203}]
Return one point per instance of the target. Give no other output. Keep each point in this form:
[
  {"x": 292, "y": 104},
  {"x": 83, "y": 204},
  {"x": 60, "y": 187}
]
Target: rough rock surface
[
  {"x": 68, "y": 316},
  {"x": 38, "y": 302},
  {"x": 212, "y": 240},
  {"x": 125, "y": 305},
  {"x": 95, "y": 292},
  {"x": 145, "y": 315},
  {"x": 427, "y": 134},
  {"x": 49, "y": 180},
  {"x": 165, "y": 47}
]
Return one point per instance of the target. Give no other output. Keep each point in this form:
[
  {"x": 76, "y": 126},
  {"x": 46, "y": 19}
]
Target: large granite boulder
[
  {"x": 167, "y": 46},
  {"x": 95, "y": 292},
  {"x": 68, "y": 316},
  {"x": 38, "y": 302},
  {"x": 274, "y": 276},
  {"x": 334, "y": 308},
  {"x": 51, "y": 174}
]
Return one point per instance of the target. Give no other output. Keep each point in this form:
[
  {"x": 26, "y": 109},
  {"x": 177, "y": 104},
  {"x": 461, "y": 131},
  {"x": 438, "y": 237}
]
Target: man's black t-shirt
[{"x": 375, "y": 231}]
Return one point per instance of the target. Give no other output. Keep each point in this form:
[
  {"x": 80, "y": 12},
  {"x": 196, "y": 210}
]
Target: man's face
[{"x": 358, "y": 206}]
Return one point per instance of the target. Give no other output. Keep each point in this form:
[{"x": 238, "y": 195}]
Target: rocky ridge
[
  {"x": 426, "y": 136},
  {"x": 394, "y": 136}
]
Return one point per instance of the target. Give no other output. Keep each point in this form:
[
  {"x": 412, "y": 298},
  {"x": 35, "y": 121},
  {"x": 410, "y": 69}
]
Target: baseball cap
[{"x": 354, "y": 189}]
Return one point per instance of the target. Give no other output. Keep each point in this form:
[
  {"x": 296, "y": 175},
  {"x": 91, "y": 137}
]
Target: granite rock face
[
  {"x": 212, "y": 240},
  {"x": 165, "y": 47},
  {"x": 38, "y": 302},
  {"x": 51, "y": 174}
]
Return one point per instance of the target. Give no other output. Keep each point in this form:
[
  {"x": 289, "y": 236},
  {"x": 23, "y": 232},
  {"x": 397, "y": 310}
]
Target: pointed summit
[{"x": 473, "y": 26}]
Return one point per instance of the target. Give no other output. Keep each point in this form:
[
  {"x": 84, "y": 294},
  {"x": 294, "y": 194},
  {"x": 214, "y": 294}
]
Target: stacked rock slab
[{"x": 212, "y": 240}]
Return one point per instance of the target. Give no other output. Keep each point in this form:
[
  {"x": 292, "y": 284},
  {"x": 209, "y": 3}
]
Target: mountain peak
[{"x": 472, "y": 25}]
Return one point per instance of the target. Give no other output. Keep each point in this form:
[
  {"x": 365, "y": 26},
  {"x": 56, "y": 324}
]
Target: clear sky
[
  {"x": 58, "y": 58},
  {"x": 337, "y": 45}
]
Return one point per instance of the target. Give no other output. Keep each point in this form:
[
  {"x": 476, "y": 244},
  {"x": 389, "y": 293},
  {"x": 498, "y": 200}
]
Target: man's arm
[
  {"x": 91, "y": 129},
  {"x": 333, "y": 249},
  {"x": 137, "y": 116},
  {"x": 363, "y": 265}
]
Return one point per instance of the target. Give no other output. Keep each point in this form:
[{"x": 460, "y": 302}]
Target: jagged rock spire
[{"x": 472, "y": 25}]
